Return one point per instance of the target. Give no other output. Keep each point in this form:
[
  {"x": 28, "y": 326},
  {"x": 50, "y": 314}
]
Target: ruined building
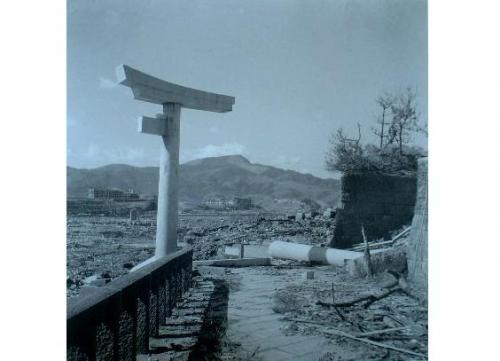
[
  {"x": 114, "y": 194},
  {"x": 380, "y": 202},
  {"x": 222, "y": 203}
]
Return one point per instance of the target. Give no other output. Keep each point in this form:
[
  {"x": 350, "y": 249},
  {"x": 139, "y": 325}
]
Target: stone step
[
  {"x": 182, "y": 330},
  {"x": 201, "y": 282},
  {"x": 199, "y": 289},
  {"x": 157, "y": 345},
  {"x": 190, "y": 305},
  {"x": 197, "y": 299},
  {"x": 179, "y": 333},
  {"x": 202, "y": 289},
  {"x": 200, "y": 285},
  {"x": 188, "y": 312},
  {"x": 184, "y": 321},
  {"x": 167, "y": 356}
]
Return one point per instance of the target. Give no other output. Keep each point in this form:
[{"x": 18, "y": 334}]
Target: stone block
[
  {"x": 309, "y": 275},
  {"x": 329, "y": 213}
]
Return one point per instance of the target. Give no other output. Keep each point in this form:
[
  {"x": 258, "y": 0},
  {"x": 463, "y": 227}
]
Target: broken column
[{"x": 307, "y": 253}]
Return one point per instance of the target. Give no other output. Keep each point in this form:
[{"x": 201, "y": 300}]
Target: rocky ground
[
  {"x": 278, "y": 313},
  {"x": 103, "y": 247},
  {"x": 295, "y": 307},
  {"x": 392, "y": 328}
]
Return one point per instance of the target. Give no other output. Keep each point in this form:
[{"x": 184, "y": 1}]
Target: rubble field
[
  {"x": 340, "y": 316},
  {"x": 102, "y": 247}
]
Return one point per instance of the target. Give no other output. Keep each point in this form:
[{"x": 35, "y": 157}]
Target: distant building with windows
[
  {"x": 242, "y": 203},
  {"x": 114, "y": 194},
  {"x": 222, "y": 203},
  {"x": 216, "y": 203}
]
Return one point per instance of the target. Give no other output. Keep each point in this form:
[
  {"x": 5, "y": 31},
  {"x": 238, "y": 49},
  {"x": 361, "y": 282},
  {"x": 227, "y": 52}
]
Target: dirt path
[{"x": 261, "y": 331}]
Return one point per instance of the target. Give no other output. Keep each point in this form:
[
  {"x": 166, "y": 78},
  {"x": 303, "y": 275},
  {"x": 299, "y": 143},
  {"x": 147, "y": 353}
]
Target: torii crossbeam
[{"x": 172, "y": 97}]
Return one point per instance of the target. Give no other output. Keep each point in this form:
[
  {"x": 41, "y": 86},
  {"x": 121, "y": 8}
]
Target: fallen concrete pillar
[
  {"x": 233, "y": 250},
  {"x": 303, "y": 252},
  {"x": 256, "y": 251},
  {"x": 246, "y": 250}
]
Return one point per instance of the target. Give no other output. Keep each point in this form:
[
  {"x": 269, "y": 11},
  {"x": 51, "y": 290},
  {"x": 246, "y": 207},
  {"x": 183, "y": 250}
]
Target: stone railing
[{"x": 115, "y": 321}]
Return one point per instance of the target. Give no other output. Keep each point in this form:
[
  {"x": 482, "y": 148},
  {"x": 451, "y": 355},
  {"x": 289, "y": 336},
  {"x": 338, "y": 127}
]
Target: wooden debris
[
  {"x": 334, "y": 332},
  {"x": 399, "y": 285},
  {"x": 342, "y": 317},
  {"x": 369, "y": 266},
  {"x": 360, "y": 246},
  {"x": 371, "y": 298},
  {"x": 401, "y": 234},
  {"x": 378, "y": 332},
  {"x": 390, "y": 259},
  {"x": 403, "y": 285}
]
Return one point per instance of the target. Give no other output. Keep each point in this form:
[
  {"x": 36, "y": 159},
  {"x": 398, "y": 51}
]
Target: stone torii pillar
[{"x": 172, "y": 97}]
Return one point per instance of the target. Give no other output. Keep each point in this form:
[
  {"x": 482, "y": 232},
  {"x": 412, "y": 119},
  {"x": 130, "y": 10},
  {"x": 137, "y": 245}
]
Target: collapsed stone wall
[
  {"x": 380, "y": 202},
  {"x": 417, "y": 247}
]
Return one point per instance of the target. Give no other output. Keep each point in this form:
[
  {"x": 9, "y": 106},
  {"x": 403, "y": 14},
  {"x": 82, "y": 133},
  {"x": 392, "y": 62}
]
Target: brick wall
[{"x": 382, "y": 203}]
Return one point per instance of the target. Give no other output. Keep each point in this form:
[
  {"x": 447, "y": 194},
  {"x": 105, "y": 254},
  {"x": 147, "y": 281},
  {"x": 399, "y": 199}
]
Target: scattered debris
[
  {"x": 334, "y": 332},
  {"x": 380, "y": 310},
  {"x": 376, "y": 317},
  {"x": 381, "y": 244},
  {"x": 287, "y": 300},
  {"x": 99, "y": 242},
  {"x": 309, "y": 275},
  {"x": 368, "y": 262}
]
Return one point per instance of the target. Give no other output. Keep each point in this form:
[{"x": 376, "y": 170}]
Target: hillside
[{"x": 225, "y": 176}]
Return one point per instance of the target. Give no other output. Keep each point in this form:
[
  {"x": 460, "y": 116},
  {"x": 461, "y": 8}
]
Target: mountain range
[{"x": 226, "y": 177}]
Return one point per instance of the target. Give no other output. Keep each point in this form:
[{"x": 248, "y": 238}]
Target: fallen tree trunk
[{"x": 307, "y": 253}]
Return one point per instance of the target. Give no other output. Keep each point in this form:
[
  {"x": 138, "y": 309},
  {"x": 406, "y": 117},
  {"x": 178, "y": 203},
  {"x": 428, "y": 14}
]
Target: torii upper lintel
[{"x": 153, "y": 90}]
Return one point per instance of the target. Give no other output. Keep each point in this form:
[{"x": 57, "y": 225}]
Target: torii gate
[{"x": 172, "y": 96}]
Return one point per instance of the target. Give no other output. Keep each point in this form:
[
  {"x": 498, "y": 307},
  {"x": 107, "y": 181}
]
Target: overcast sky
[{"x": 298, "y": 69}]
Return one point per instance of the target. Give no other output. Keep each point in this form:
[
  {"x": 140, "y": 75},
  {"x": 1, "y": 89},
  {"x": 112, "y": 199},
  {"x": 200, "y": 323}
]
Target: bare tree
[
  {"x": 344, "y": 153},
  {"x": 405, "y": 118},
  {"x": 394, "y": 153},
  {"x": 385, "y": 102}
]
